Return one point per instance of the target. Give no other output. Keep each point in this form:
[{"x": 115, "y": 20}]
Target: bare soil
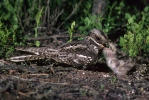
[{"x": 61, "y": 82}]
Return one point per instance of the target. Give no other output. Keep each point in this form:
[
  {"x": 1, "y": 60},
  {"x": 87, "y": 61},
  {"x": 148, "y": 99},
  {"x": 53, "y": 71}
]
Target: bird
[
  {"x": 117, "y": 61},
  {"x": 77, "y": 53}
]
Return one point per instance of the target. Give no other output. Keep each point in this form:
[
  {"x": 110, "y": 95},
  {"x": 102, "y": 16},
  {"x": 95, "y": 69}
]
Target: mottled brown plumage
[{"x": 78, "y": 53}]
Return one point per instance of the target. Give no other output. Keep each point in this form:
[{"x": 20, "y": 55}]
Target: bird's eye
[
  {"x": 97, "y": 38},
  {"x": 90, "y": 33}
]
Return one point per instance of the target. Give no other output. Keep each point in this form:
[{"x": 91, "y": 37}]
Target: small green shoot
[
  {"x": 38, "y": 21},
  {"x": 113, "y": 80},
  {"x": 71, "y": 30},
  {"x": 102, "y": 87}
]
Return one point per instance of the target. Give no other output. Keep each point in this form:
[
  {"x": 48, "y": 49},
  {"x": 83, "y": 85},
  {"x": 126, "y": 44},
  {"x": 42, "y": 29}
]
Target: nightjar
[{"x": 77, "y": 53}]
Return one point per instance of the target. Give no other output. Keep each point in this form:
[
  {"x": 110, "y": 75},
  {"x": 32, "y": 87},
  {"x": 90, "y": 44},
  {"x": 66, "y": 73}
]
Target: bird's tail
[
  {"x": 35, "y": 54},
  {"x": 25, "y": 58}
]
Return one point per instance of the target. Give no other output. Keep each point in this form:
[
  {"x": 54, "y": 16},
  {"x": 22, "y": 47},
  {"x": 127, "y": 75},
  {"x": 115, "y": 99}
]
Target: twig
[
  {"x": 70, "y": 14},
  {"x": 39, "y": 74},
  {"x": 5, "y": 62},
  {"x": 24, "y": 94},
  {"x": 55, "y": 19},
  {"x": 46, "y": 13},
  {"x": 34, "y": 80}
]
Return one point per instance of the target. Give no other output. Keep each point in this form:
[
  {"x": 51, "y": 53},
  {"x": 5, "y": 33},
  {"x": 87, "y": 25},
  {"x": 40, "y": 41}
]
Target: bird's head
[{"x": 99, "y": 37}]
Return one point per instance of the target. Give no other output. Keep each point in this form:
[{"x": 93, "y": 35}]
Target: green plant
[
  {"x": 38, "y": 22},
  {"x": 15, "y": 21},
  {"x": 109, "y": 22},
  {"x": 71, "y": 30},
  {"x": 7, "y": 40},
  {"x": 9, "y": 25},
  {"x": 90, "y": 23},
  {"x": 113, "y": 80},
  {"x": 102, "y": 87},
  {"x": 136, "y": 40}
]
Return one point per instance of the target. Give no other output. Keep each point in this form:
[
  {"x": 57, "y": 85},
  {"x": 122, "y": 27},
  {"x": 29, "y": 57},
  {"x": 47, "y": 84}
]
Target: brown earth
[{"x": 61, "y": 82}]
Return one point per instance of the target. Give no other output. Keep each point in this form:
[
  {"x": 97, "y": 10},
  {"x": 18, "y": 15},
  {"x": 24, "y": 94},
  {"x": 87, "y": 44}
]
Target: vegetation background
[{"x": 125, "y": 21}]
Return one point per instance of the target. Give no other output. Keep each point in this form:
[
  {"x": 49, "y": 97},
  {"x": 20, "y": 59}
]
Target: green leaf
[
  {"x": 1, "y": 32},
  {"x": 130, "y": 20},
  {"x": 37, "y": 43},
  {"x": 146, "y": 9},
  {"x": 38, "y": 16},
  {"x": 122, "y": 4},
  {"x": 127, "y": 15},
  {"x": 72, "y": 25},
  {"x": 121, "y": 41}
]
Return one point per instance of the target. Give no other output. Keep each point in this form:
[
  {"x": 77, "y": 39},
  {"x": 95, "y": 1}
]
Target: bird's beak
[{"x": 101, "y": 46}]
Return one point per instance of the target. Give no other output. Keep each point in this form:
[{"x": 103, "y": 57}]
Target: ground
[{"x": 61, "y": 82}]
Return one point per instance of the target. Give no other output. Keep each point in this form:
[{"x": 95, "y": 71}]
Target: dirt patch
[{"x": 19, "y": 82}]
